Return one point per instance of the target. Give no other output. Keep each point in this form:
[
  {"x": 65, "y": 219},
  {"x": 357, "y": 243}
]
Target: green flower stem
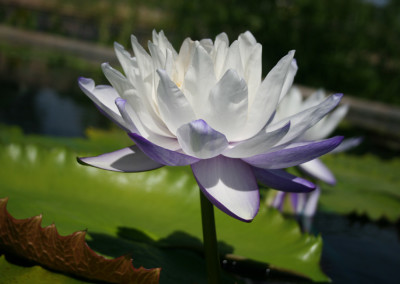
[{"x": 210, "y": 241}]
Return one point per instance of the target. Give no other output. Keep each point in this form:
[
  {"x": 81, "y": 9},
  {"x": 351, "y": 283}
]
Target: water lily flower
[
  {"x": 206, "y": 106},
  {"x": 293, "y": 102}
]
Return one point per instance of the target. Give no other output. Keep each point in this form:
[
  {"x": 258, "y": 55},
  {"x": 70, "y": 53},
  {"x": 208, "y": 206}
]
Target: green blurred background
[
  {"x": 350, "y": 46},
  {"x": 347, "y": 46}
]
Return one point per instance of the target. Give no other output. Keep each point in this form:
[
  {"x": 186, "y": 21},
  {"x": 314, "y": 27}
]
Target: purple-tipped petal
[
  {"x": 277, "y": 203},
  {"x": 129, "y": 159},
  {"x": 311, "y": 204},
  {"x": 198, "y": 139},
  {"x": 295, "y": 200},
  {"x": 258, "y": 144},
  {"x": 304, "y": 120},
  {"x": 316, "y": 169},
  {"x": 294, "y": 154},
  {"x": 230, "y": 185},
  {"x": 282, "y": 180},
  {"x": 162, "y": 155},
  {"x": 348, "y": 144},
  {"x": 128, "y": 115}
]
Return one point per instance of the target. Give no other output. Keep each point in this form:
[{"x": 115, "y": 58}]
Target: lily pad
[
  {"x": 366, "y": 185},
  {"x": 11, "y": 273},
  {"x": 158, "y": 203}
]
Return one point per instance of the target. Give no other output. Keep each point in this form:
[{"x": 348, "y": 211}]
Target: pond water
[{"x": 356, "y": 250}]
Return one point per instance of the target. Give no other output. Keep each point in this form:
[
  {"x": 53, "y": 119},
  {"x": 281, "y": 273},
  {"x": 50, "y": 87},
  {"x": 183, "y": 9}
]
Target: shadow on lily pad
[{"x": 179, "y": 255}]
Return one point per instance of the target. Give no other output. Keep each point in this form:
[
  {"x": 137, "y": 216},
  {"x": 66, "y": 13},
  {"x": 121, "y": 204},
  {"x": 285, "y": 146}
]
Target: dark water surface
[{"x": 359, "y": 251}]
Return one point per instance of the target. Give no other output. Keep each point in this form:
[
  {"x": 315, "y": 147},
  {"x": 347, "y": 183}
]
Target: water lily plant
[
  {"x": 305, "y": 204},
  {"x": 207, "y": 106}
]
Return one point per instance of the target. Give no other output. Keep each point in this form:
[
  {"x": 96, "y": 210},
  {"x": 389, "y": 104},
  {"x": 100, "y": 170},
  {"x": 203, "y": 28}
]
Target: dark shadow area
[
  {"x": 180, "y": 256},
  {"x": 16, "y": 260},
  {"x": 357, "y": 250},
  {"x": 179, "y": 265}
]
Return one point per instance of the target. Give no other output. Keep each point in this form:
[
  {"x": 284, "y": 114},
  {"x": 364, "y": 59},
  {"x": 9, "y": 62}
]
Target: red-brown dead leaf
[{"x": 68, "y": 254}]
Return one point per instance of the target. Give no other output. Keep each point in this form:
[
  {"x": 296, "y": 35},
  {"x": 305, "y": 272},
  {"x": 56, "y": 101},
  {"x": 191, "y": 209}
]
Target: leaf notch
[{"x": 68, "y": 254}]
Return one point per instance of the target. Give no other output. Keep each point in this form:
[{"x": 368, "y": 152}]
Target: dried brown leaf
[{"x": 68, "y": 254}]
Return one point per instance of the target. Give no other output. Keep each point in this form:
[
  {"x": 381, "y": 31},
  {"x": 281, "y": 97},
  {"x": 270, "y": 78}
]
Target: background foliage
[{"x": 342, "y": 45}]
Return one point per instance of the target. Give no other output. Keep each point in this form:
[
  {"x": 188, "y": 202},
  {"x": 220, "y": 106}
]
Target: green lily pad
[
  {"x": 49, "y": 181},
  {"x": 366, "y": 185},
  {"x": 11, "y": 273}
]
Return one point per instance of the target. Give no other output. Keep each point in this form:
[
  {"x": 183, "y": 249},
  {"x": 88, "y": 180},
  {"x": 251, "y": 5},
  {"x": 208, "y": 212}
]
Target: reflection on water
[{"x": 57, "y": 115}]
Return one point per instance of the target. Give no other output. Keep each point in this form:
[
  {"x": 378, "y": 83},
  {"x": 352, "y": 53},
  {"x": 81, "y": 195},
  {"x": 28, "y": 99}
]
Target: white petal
[
  {"x": 230, "y": 185},
  {"x": 198, "y": 139},
  {"x": 313, "y": 100},
  {"x": 219, "y": 56},
  {"x": 104, "y": 97},
  {"x": 129, "y": 159},
  {"x": 289, "y": 79},
  {"x": 117, "y": 80},
  {"x": 312, "y": 202},
  {"x": 253, "y": 70},
  {"x": 267, "y": 96},
  {"x": 146, "y": 114},
  {"x": 222, "y": 38},
  {"x": 184, "y": 58},
  {"x": 246, "y": 45},
  {"x": 157, "y": 56},
  {"x": 163, "y": 43},
  {"x": 175, "y": 109},
  {"x": 327, "y": 125},
  {"x": 207, "y": 44},
  {"x": 289, "y": 105},
  {"x": 143, "y": 58},
  {"x": 258, "y": 144},
  {"x": 347, "y": 144},
  {"x": 302, "y": 121},
  {"x": 128, "y": 63},
  {"x": 317, "y": 170},
  {"x": 226, "y": 108},
  {"x": 233, "y": 59},
  {"x": 136, "y": 126},
  {"x": 130, "y": 117},
  {"x": 199, "y": 79}
]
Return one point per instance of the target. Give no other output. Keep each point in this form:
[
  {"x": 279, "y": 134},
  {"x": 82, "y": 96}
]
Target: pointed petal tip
[
  {"x": 81, "y": 161},
  {"x": 247, "y": 219},
  {"x": 84, "y": 80},
  {"x": 230, "y": 185},
  {"x": 337, "y": 140},
  {"x": 161, "y": 72},
  {"x": 331, "y": 182},
  {"x": 294, "y": 64},
  {"x": 105, "y": 65},
  {"x": 120, "y": 101},
  {"x": 308, "y": 185},
  {"x": 338, "y": 96}
]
